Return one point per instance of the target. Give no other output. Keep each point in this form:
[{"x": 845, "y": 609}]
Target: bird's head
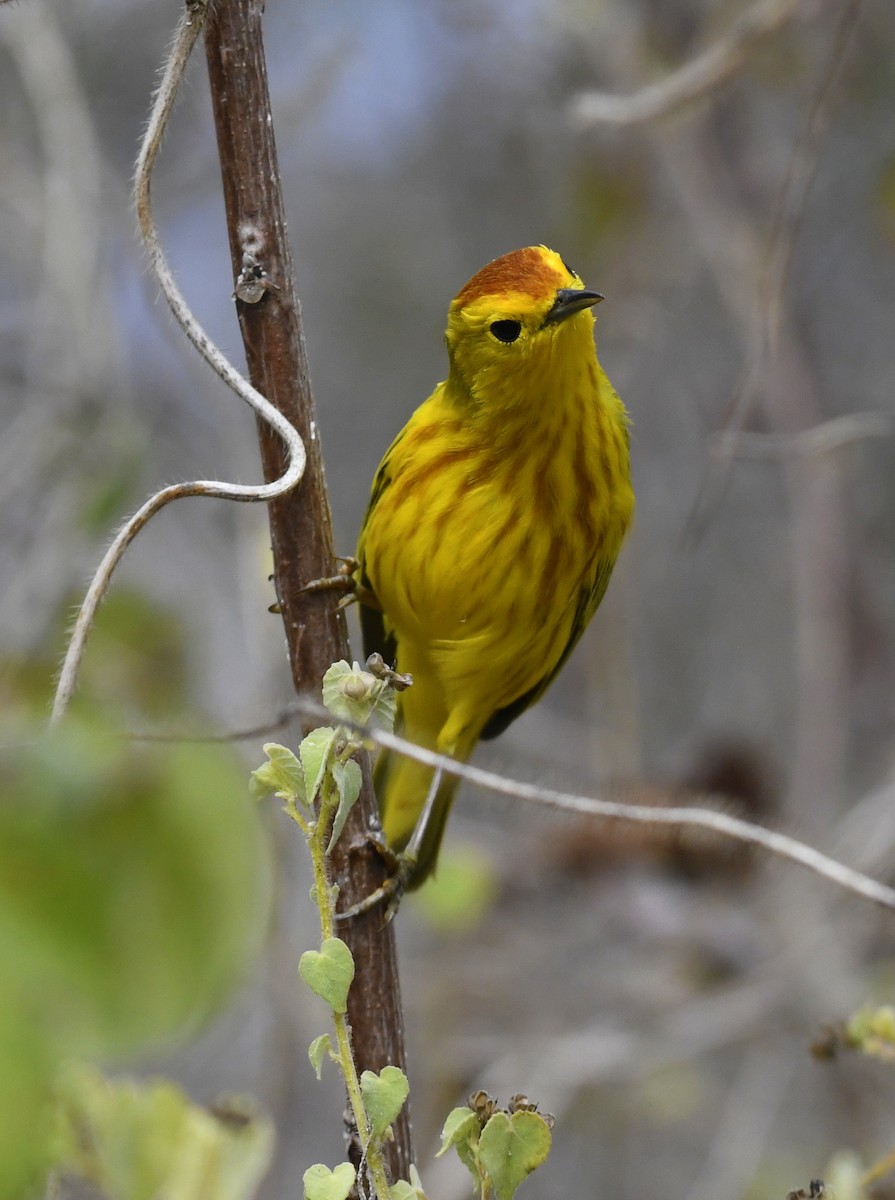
[{"x": 524, "y": 317}]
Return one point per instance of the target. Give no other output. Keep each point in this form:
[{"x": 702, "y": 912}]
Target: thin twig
[
  {"x": 721, "y": 823},
  {"x": 724, "y": 59},
  {"x": 777, "y": 261},
  {"x": 690, "y": 816},
  {"x": 820, "y": 439},
  {"x": 800, "y": 176},
  {"x": 185, "y": 39},
  {"x": 261, "y": 729}
]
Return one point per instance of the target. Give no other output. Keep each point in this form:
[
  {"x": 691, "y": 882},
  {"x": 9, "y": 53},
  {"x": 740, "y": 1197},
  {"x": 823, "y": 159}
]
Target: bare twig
[
  {"x": 701, "y": 75},
  {"x": 800, "y": 175},
  {"x": 777, "y": 260},
  {"x": 187, "y": 33},
  {"x": 721, "y": 823},
  {"x": 711, "y": 820},
  {"x": 821, "y": 439},
  {"x": 744, "y": 1123}
]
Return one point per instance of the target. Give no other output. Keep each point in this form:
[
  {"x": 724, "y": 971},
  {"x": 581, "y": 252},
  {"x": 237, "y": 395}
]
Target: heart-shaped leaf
[
  {"x": 328, "y": 972},
  {"x": 323, "y": 1184},
  {"x": 384, "y": 1095},
  {"x": 511, "y": 1147}
]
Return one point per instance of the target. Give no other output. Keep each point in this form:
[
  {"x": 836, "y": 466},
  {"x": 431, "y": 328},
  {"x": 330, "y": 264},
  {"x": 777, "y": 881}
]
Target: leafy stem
[{"x": 318, "y": 787}]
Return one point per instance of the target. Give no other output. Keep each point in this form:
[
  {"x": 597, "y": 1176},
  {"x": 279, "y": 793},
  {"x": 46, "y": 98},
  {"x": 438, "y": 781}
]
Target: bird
[{"x": 495, "y": 520}]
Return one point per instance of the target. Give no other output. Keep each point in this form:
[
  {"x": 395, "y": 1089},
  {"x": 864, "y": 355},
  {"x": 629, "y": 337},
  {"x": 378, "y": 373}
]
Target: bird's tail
[{"x": 402, "y": 787}]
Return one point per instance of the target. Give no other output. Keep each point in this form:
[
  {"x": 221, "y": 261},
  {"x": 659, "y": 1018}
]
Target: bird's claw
[
  {"x": 342, "y": 581},
  {"x": 391, "y": 891}
]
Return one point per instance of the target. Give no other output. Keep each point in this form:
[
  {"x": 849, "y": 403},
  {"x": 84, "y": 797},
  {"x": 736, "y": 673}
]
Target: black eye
[{"x": 506, "y": 331}]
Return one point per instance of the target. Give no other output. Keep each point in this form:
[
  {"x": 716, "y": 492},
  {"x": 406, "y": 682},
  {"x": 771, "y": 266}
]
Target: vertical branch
[{"x": 300, "y": 522}]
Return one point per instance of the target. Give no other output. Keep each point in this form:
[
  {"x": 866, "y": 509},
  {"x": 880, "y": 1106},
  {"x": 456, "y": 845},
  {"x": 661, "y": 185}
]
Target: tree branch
[
  {"x": 708, "y": 71},
  {"x": 722, "y": 823},
  {"x": 300, "y": 522}
]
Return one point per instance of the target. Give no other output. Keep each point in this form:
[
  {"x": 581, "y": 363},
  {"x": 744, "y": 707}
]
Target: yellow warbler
[{"x": 495, "y": 520}]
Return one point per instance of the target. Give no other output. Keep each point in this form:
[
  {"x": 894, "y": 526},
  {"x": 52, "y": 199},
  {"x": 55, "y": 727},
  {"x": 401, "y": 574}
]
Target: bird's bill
[{"x": 570, "y": 301}]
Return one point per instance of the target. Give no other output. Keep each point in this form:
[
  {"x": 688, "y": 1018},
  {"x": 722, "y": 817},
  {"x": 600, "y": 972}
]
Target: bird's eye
[{"x": 506, "y": 331}]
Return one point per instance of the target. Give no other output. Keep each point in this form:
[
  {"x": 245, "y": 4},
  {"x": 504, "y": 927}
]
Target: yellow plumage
[{"x": 496, "y": 518}]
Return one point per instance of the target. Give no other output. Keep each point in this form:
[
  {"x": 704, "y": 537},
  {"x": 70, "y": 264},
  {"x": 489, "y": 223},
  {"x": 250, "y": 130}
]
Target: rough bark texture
[{"x": 300, "y": 523}]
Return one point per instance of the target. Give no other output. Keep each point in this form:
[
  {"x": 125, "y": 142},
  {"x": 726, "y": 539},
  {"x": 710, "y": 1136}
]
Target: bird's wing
[
  {"x": 589, "y": 598},
  {"x": 377, "y": 640}
]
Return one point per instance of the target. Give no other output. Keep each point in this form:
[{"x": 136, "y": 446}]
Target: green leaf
[
  {"x": 314, "y": 754},
  {"x": 458, "y": 896},
  {"x": 347, "y": 778},
  {"x": 870, "y": 1026},
  {"x": 844, "y": 1172},
  {"x": 460, "y": 1128},
  {"x": 328, "y": 972},
  {"x": 318, "y": 1050},
  {"x": 144, "y": 1140},
  {"x": 133, "y": 888},
  {"x": 402, "y": 1190},
  {"x": 384, "y": 1095},
  {"x": 323, "y": 1184},
  {"x": 281, "y": 774},
  {"x": 355, "y": 695},
  {"x": 383, "y": 712},
  {"x": 511, "y": 1147},
  {"x": 26, "y": 1055},
  {"x": 133, "y": 884}
]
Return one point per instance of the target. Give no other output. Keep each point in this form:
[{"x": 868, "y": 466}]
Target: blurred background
[{"x": 658, "y": 996}]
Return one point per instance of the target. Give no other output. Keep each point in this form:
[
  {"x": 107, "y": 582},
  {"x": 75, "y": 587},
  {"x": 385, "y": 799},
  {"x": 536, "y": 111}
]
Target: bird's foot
[
  {"x": 342, "y": 581},
  {"x": 402, "y": 868}
]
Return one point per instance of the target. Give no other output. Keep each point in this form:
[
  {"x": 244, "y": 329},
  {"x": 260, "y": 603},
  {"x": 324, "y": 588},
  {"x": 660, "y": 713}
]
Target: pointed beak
[{"x": 570, "y": 301}]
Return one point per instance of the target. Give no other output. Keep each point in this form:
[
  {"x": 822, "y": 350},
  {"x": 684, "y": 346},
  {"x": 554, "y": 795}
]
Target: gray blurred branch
[
  {"x": 703, "y": 74},
  {"x": 820, "y": 439}
]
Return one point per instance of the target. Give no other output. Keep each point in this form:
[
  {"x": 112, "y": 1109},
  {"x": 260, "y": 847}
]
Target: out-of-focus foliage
[
  {"x": 132, "y": 897},
  {"x": 457, "y": 898},
  {"x": 139, "y": 1142}
]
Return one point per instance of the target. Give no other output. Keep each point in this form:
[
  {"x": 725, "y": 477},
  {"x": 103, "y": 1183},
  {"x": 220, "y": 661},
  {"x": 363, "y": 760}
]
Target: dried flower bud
[
  {"x": 482, "y": 1105},
  {"x": 377, "y": 666}
]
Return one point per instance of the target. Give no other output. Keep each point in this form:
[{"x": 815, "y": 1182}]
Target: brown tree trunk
[{"x": 300, "y": 523}]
